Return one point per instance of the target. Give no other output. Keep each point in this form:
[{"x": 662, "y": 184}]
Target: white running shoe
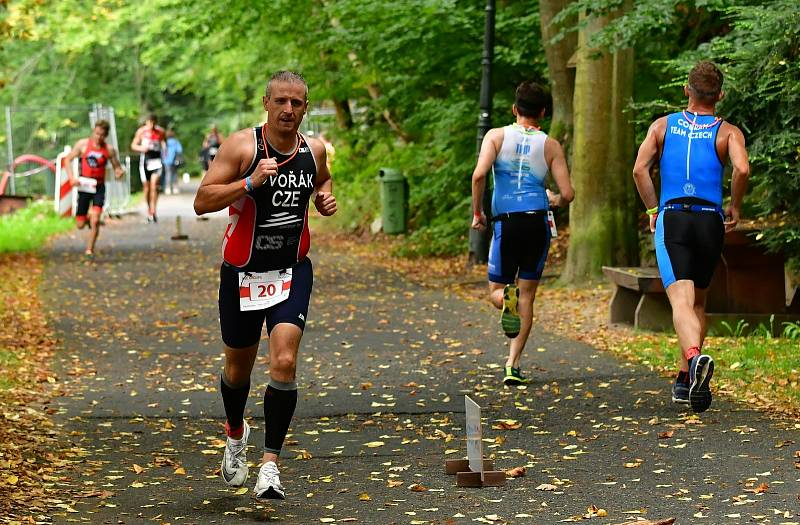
[
  {"x": 234, "y": 464},
  {"x": 269, "y": 485}
]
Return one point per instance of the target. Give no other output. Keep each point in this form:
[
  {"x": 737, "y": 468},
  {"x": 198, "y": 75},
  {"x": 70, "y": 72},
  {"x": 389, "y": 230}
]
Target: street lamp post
[{"x": 479, "y": 241}]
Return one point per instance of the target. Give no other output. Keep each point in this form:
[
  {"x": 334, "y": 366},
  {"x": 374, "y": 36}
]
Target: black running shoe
[
  {"x": 680, "y": 392},
  {"x": 701, "y": 368}
]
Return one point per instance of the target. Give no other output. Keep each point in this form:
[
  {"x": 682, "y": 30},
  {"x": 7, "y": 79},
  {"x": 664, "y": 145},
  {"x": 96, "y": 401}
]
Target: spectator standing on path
[
  {"x": 267, "y": 176},
  {"x": 173, "y": 159},
  {"x": 520, "y": 156},
  {"x": 691, "y": 147},
  {"x": 94, "y": 153},
  {"x": 211, "y": 144},
  {"x": 150, "y": 142}
]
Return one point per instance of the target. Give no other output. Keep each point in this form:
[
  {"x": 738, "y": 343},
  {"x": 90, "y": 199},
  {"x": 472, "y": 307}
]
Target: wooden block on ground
[
  {"x": 454, "y": 466},
  {"x": 492, "y": 478}
]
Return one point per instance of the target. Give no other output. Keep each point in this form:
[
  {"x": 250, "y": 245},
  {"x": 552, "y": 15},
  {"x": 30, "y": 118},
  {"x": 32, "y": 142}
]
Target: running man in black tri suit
[
  {"x": 520, "y": 157},
  {"x": 691, "y": 147},
  {"x": 266, "y": 176}
]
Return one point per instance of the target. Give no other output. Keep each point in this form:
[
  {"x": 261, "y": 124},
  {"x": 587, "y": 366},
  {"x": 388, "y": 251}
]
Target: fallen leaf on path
[{"x": 516, "y": 472}]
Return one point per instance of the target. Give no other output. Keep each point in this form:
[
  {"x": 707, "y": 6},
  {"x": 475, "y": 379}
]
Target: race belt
[{"x": 693, "y": 208}]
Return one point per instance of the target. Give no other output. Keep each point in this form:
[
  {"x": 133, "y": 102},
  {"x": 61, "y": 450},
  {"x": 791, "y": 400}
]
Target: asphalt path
[{"x": 383, "y": 369}]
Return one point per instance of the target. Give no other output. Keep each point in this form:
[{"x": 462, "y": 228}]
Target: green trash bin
[{"x": 394, "y": 200}]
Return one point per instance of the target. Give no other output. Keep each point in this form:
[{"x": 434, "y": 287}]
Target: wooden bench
[
  {"x": 639, "y": 298},
  {"x": 749, "y": 284}
]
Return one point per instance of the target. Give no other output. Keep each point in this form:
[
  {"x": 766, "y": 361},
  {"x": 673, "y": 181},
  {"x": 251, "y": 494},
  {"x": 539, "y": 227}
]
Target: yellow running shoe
[
  {"x": 509, "y": 318},
  {"x": 514, "y": 377}
]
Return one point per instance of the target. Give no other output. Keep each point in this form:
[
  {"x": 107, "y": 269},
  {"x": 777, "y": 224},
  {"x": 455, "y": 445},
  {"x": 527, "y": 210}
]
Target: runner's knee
[
  {"x": 283, "y": 360},
  {"x": 236, "y": 374}
]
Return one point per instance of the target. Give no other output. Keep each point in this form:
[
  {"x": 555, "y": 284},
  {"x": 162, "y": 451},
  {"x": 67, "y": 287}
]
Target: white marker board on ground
[{"x": 474, "y": 436}]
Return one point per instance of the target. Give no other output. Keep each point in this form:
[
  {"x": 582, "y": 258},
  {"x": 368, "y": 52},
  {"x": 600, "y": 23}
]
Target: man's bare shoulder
[
  {"x": 80, "y": 146},
  {"x": 726, "y": 129},
  {"x": 240, "y": 137},
  {"x": 316, "y": 145},
  {"x": 659, "y": 124},
  {"x": 495, "y": 133}
]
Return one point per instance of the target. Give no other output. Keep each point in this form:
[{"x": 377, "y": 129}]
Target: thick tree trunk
[
  {"x": 344, "y": 117},
  {"x": 562, "y": 77},
  {"x": 603, "y": 216}
]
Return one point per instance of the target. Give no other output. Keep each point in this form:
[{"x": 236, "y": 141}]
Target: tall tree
[
  {"x": 559, "y": 47},
  {"x": 603, "y": 216}
]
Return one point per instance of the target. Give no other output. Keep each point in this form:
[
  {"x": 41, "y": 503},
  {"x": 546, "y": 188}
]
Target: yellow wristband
[{"x": 653, "y": 210}]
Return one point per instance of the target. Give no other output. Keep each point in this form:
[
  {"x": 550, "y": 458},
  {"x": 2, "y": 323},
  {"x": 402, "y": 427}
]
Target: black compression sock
[
  {"x": 234, "y": 399},
  {"x": 280, "y": 400}
]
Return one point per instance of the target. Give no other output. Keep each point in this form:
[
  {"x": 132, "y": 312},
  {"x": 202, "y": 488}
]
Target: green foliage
[
  {"x": 791, "y": 331},
  {"x": 738, "y": 330},
  {"x": 762, "y": 55},
  {"x": 29, "y": 228},
  {"x": 410, "y": 74}
]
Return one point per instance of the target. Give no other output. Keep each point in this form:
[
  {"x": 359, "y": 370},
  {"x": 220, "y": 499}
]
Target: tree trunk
[
  {"x": 603, "y": 224},
  {"x": 562, "y": 77},
  {"x": 344, "y": 117}
]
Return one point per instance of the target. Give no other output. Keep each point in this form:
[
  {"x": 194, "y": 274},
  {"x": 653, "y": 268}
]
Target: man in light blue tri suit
[
  {"x": 520, "y": 156},
  {"x": 691, "y": 147}
]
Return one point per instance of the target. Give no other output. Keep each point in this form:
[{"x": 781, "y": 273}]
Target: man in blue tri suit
[
  {"x": 520, "y": 156},
  {"x": 691, "y": 147}
]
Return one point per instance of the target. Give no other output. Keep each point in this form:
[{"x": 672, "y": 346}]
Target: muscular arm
[
  {"x": 74, "y": 153},
  {"x": 492, "y": 142},
  {"x": 222, "y": 185},
  {"x": 737, "y": 152},
  {"x": 648, "y": 153},
  {"x": 557, "y": 162},
  {"x": 136, "y": 142},
  {"x": 112, "y": 154},
  {"x": 325, "y": 202}
]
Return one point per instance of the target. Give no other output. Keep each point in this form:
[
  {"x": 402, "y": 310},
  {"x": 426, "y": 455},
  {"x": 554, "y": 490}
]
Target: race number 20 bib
[
  {"x": 152, "y": 164},
  {"x": 258, "y": 291}
]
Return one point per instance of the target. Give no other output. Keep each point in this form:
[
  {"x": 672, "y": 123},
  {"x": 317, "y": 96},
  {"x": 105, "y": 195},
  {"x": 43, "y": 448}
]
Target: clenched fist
[
  {"x": 325, "y": 203},
  {"x": 266, "y": 168}
]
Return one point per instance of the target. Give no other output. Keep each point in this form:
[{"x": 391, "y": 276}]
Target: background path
[{"x": 383, "y": 368}]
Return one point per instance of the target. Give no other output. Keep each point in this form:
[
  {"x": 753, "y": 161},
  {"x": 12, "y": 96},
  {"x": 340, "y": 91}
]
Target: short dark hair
[
  {"x": 285, "y": 76},
  {"x": 705, "y": 81},
  {"x": 104, "y": 125},
  {"x": 152, "y": 118},
  {"x": 530, "y": 99}
]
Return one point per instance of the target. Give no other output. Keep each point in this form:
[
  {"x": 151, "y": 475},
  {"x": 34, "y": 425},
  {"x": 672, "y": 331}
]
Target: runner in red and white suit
[
  {"x": 151, "y": 142},
  {"x": 94, "y": 153},
  {"x": 267, "y": 176}
]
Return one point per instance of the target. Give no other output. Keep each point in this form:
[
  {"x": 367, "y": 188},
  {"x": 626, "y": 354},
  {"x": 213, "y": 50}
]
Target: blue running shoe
[
  {"x": 701, "y": 368},
  {"x": 680, "y": 392}
]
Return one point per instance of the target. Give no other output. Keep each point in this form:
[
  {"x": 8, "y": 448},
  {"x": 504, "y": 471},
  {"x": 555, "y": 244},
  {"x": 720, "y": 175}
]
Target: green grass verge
[
  {"x": 8, "y": 361},
  {"x": 764, "y": 368},
  {"x": 28, "y": 229}
]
